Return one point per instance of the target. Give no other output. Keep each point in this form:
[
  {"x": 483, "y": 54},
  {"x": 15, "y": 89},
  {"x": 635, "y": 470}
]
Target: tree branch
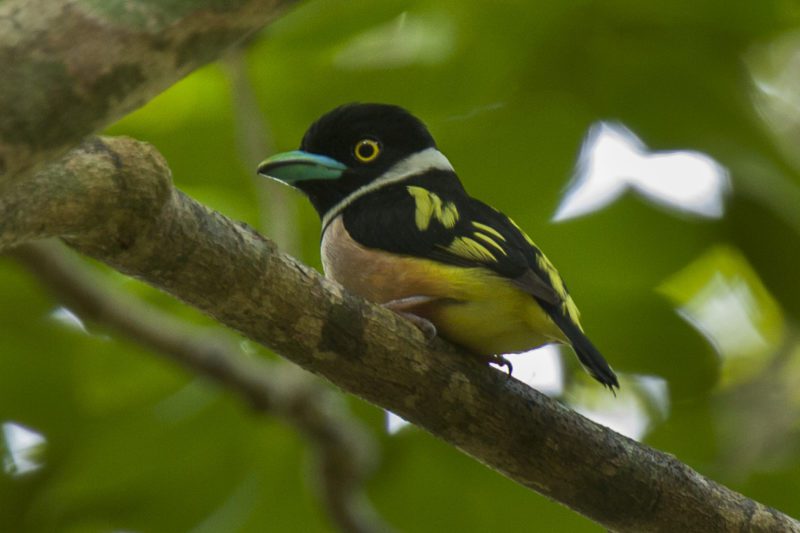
[
  {"x": 113, "y": 199},
  {"x": 345, "y": 451},
  {"x": 71, "y": 67}
]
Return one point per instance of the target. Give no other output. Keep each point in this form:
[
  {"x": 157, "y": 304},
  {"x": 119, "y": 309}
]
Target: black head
[
  {"x": 338, "y": 133},
  {"x": 347, "y": 149}
]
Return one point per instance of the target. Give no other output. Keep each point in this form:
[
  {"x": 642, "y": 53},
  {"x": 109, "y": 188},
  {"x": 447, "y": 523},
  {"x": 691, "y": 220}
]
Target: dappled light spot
[
  {"x": 66, "y": 317},
  {"x": 722, "y": 296},
  {"x": 641, "y": 402},
  {"x": 613, "y": 160},
  {"x": 395, "y": 423},
  {"x": 775, "y": 69},
  {"x": 418, "y": 39},
  {"x": 23, "y": 449},
  {"x": 656, "y": 390},
  {"x": 541, "y": 369}
]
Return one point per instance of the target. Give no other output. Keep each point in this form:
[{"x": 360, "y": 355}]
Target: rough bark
[
  {"x": 113, "y": 199},
  {"x": 70, "y": 67}
]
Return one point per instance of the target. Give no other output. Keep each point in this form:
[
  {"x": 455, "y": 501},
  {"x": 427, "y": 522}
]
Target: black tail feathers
[{"x": 588, "y": 355}]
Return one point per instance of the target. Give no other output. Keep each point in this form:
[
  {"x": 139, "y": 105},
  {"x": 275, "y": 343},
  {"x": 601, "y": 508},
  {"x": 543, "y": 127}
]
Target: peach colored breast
[{"x": 373, "y": 274}]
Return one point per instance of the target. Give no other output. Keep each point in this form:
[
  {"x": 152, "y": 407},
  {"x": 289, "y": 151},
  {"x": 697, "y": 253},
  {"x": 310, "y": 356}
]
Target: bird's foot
[
  {"x": 502, "y": 362},
  {"x": 423, "y": 324},
  {"x": 402, "y": 307}
]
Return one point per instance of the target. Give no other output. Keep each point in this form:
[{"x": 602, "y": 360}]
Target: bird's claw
[
  {"x": 424, "y": 325},
  {"x": 402, "y": 307}
]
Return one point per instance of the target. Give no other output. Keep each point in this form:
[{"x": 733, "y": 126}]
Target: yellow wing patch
[
  {"x": 567, "y": 303},
  {"x": 490, "y": 230},
  {"x": 552, "y": 274},
  {"x": 470, "y": 249},
  {"x": 490, "y": 241},
  {"x": 490, "y": 236},
  {"x": 430, "y": 206},
  {"x": 572, "y": 311}
]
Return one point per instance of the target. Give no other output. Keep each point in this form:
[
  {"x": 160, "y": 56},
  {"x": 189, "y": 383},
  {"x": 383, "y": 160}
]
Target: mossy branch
[{"x": 71, "y": 67}]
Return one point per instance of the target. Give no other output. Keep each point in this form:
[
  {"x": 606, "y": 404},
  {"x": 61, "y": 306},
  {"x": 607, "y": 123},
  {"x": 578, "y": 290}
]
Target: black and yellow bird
[{"x": 399, "y": 229}]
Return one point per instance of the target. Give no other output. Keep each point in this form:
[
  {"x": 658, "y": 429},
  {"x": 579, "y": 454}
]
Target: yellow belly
[
  {"x": 473, "y": 307},
  {"x": 466, "y": 323},
  {"x": 488, "y": 315}
]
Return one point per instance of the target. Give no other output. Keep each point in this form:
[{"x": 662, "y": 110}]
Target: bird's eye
[{"x": 366, "y": 150}]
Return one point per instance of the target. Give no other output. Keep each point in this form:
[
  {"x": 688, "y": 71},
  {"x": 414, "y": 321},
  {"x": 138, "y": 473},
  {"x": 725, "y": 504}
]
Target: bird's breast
[{"x": 376, "y": 275}]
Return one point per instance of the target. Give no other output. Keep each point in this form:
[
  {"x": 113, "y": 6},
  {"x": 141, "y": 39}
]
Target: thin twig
[{"x": 277, "y": 204}]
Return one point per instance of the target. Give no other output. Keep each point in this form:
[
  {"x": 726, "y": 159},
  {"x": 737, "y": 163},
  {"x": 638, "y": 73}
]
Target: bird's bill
[{"x": 297, "y": 165}]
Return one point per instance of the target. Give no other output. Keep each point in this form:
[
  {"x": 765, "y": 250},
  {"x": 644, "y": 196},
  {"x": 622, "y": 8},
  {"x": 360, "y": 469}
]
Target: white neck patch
[{"x": 415, "y": 164}]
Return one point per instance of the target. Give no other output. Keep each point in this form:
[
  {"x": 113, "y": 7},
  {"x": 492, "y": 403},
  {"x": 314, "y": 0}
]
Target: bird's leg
[
  {"x": 501, "y": 361},
  {"x": 403, "y": 307}
]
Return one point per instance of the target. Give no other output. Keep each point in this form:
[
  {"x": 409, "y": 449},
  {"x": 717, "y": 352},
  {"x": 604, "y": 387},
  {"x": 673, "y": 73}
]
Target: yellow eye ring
[{"x": 367, "y": 150}]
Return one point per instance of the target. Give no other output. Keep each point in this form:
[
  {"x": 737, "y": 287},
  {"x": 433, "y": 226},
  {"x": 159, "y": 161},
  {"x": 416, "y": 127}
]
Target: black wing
[{"x": 447, "y": 225}]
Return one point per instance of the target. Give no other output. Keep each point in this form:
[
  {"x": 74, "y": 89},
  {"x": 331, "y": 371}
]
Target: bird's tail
[{"x": 589, "y": 356}]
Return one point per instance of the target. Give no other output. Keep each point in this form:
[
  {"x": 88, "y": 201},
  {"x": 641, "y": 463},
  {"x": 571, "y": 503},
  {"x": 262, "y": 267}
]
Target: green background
[{"x": 509, "y": 89}]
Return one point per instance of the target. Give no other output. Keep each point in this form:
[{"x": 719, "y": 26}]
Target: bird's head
[{"x": 352, "y": 147}]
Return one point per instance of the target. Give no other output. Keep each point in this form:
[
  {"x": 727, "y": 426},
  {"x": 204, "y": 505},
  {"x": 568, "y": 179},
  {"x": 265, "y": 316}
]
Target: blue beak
[{"x": 297, "y": 165}]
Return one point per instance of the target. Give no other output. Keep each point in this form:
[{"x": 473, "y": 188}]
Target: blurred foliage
[{"x": 510, "y": 90}]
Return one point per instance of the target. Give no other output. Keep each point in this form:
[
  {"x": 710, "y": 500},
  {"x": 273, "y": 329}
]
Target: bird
[{"x": 399, "y": 229}]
